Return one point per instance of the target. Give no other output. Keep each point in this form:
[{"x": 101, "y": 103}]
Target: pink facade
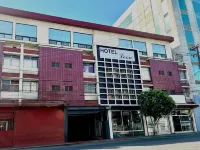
[
  {"x": 165, "y": 82},
  {"x": 61, "y": 76}
]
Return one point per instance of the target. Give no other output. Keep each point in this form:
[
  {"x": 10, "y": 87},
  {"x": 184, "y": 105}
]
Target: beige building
[{"x": 153, "y": 16}]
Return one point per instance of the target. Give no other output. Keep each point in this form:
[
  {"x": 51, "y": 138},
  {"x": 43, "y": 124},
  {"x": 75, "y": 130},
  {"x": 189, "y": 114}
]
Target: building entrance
[{"x": 85, "y": 127}]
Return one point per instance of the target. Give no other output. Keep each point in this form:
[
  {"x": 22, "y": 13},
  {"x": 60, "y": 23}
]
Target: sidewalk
[{"x": 149, "y": 138}]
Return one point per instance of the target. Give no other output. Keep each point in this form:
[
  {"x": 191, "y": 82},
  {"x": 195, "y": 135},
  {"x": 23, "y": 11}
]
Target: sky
[{"x": 96, "y": 11}]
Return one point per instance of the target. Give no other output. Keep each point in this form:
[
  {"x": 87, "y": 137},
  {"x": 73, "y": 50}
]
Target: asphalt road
[{"x": 176, "y": 142}]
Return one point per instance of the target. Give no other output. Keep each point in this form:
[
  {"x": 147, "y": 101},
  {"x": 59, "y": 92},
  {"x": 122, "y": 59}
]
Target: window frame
[
  {"x": 54, "y": 64},
  {"x": 159, "y": 54},
  {"x": 68, "y": 88},
  {"x": 90, "y": 90},
  {"x": 55, "y": 86},
  {"x": 169, "y": 73},
  {"x": 11, "y": 60},
  {"x": 141, "y": 53},
  {"x": 70, "y": 65},
  {"x": 162, "y": 73},
  {"x": 6, "y": 33},
  {"x": 31, "y": 90},
  {"x": 62, "y": 42},
  {"x": 22, "y": 36},
  {"x": 83, "y": 44},
  {"x": 87, "y": 64},
  {"x": 32, "y": 60}
]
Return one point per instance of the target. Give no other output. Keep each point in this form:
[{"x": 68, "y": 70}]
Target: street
[{"x": 171, "y": 142}]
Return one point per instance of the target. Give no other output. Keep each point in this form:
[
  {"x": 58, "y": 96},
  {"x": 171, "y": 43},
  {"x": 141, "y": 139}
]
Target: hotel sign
[{"x": 114, "y": 53}]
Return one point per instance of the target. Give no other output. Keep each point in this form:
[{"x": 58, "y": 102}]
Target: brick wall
[
  {"x": 165, "y": 82},
  {"x": 49, "y": 76}
]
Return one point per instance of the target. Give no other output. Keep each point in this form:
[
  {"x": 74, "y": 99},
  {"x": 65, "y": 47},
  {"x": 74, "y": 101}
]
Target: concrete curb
[{"x": 182, "y": 135}]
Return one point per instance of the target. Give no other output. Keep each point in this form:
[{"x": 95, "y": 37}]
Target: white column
[
  {"x": 21, "y": 72},
  {"x": 171, "y": 124},
  {"x": 72, "y": 39},
  {"x": 194, "y": 121},
  {"x": 14, "y": 30},
  {"x": 110, "y": 123},
  {"x": 145, "y": 126}
]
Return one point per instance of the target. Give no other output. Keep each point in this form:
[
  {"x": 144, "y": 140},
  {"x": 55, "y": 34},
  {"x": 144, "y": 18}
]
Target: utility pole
[{"x": 197, "y": 49}]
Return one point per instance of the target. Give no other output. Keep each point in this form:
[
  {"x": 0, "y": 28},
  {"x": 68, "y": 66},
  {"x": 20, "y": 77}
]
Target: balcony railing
[{"x": 10, "y": 88}]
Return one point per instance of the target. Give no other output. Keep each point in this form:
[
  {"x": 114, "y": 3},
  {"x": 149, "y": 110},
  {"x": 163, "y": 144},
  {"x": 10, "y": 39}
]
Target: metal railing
[{"x": 10, "y": 87}]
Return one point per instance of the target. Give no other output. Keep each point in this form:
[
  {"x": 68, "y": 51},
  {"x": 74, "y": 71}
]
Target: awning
[
  {"x": 191, "y": 106},
  {"x": 83, "y": 110}
]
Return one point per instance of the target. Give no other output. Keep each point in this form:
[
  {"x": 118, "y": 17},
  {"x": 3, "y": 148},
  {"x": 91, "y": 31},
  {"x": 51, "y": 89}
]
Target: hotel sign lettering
[{"x": 112, "y": 53}]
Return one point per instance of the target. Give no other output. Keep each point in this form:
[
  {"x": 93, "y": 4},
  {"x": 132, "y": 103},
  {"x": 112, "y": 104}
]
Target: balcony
[
  {"x": 11, "y": 91},
  {"x": 185, "y": 82}
]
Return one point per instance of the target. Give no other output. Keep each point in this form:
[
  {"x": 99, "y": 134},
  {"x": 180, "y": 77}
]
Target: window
[
  {"x": 172, "y": 92},
  {"x": 182, "y": 5},
  {"x": 183, "y": 75},
  {"x": 186, "y": 92},
  {"x": 90, "y": 87},
  {"x": 169, "y": 73},
  {"x": 6, "y": 124},
  {"x": 167, "y": 23},
  {"x": 6, "y": 29},
  {"x": 59, "y": 37},
  {"x": 26, "y": 32},
  {"x": 127, "y": 21},
  {"x": 55, "y": 88},
  {"x": 189, "y": 37},
  {"x": 198, "y": 22},
  {"x": 185, "y": 19},
  {"x": 146, "y": 88},
  {"x": 141, "y": 46},
  {"x": 30, "y": 62},
  {"x": 196, "y": 6},
  {"x": 82, "y": 40},
  {"x": 161, "y": 73},
  {"x": 68, "y": 88},
  {"x": 30, "y": 86},
  {"x": 68, "y": 65},
  {"x": 11, "y": 60},
  {"x": 55, "y": 64},
  {"x": 125, "y": 43},
  {"x": 88, "y": 67},
  {"x": 145, "y": 73},
  {"x": 159, "y": 50},
  {"x": 10, "y": 85},
  {"x": 126, "y": 121}
]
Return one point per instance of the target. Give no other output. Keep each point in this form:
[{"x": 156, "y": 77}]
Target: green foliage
[{"x": 155, "y": 104}]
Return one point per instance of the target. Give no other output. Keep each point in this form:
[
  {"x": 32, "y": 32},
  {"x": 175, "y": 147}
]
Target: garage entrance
[{"x": 86, "y": 125}]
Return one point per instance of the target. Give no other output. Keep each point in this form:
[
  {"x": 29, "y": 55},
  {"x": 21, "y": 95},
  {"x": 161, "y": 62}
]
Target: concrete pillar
[
  {"x": 14, "y": 30},
  {"x": 110, "y": 123},
  {"x": 72, "y": 39},
  {"x": 171, "y": 123},
  {"x": 66, "y": 124},
  {"x": 194, "y": 121},
  {"x": 145, "y": 126},
  {"x": 21, "y": 72}
]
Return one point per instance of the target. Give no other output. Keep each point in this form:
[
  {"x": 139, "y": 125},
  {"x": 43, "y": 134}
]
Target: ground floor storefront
[
  {"x": 128, "y": 122},
  {"x": 31, "y": 126}
]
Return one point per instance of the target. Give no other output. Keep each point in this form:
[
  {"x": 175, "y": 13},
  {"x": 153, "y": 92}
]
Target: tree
[{"x": 156, "y": 104}]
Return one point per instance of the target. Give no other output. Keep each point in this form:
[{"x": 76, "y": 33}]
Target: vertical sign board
[{"x": 119, "y": 78}]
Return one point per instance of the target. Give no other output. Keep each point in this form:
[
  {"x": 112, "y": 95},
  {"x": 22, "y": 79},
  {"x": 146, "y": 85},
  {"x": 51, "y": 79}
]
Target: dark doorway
[
  {"x": 177, "y": 123},
  {"x": 81, "y": 128}
]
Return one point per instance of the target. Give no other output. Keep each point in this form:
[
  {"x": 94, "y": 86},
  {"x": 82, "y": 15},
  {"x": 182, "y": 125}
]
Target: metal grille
[{"x": 6, "y": 124}]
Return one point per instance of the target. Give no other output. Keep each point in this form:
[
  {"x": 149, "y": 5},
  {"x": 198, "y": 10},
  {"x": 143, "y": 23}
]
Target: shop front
[
  {"x": 183, "y": 121},
  {"x": 127, "y": 123}
]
